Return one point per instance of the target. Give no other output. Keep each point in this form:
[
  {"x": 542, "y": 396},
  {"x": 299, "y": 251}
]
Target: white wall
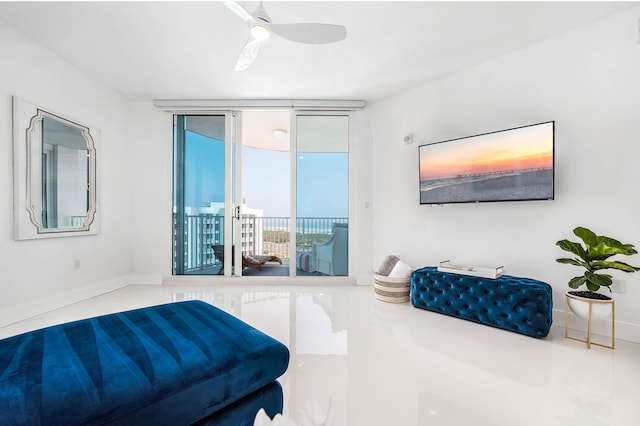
[
  {"x": 36, "y": 275},
  {"x": 152, "y": 202},
  {"x": 588, "y": 82},
  {"x": 361, "y": 211}
]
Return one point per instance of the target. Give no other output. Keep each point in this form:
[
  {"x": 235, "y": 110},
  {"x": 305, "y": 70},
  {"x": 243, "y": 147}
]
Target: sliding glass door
[{"x": 267, "y": 189}]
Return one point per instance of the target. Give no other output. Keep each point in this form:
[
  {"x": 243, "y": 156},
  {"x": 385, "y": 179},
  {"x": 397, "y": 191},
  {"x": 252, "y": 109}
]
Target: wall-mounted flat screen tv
[{"x": 508, "y": 165}]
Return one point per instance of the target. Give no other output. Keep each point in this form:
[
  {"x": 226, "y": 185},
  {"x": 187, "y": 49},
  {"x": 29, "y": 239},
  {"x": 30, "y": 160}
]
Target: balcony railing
[{"x": 260, "y": 235}]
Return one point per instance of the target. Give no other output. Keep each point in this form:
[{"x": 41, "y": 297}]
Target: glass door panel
[
  {"x": 266, "y": 152},
  {"x": 199, "y": 195},
  {"x": 322, "y": 194}
]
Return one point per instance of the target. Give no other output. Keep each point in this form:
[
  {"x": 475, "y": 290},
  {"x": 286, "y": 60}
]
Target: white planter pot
[{"x": 600, "y": 309}]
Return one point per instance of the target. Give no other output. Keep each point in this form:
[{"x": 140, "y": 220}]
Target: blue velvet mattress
[{"x": 172, "y": 364}]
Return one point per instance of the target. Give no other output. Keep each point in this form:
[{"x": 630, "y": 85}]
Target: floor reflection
[
  {"x": 314, "y": 325},
  {"x": 356, "y": 360}
]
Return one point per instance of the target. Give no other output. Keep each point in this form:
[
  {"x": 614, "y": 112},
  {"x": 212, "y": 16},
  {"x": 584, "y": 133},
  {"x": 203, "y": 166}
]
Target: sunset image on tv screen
[{"x": 514, "y": 164}]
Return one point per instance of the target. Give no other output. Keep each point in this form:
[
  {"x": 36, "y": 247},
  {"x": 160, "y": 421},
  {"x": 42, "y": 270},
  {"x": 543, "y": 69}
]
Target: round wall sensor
[{"x": 408, "y": 139}]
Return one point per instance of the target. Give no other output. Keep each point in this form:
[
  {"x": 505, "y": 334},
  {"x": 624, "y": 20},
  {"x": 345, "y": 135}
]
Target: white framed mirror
[{"x": 55, "y": 174}]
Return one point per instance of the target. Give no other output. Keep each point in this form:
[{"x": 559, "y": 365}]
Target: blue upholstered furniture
[
  {"x": 174, "y": 364},
  {"x": 522, "y": 305}
]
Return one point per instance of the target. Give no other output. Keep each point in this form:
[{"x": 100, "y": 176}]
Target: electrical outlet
[
  {"x": 76, "y": 264},
  {"x": 617, "y": 286}
]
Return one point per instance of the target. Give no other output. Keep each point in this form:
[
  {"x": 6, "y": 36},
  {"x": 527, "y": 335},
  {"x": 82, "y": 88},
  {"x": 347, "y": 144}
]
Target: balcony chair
[
  {"x": 331, "y": 258},
  {"x": 253, "y": 261}
]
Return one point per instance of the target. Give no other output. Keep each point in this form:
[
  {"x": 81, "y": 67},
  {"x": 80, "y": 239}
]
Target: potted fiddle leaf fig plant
[{"x": 594, "y": 256}]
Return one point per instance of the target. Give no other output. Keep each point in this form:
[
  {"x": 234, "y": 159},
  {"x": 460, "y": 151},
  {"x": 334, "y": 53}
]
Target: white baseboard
[
  {"x": 364, "y": 279},
  {"x": 623, "y": 330},
  {"x": 145, "y": 279},
  {"x": 40, "y": 306}
]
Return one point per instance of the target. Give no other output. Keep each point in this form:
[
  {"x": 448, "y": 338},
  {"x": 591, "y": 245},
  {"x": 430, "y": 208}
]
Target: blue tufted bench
[
  {"x": 522, "y": 305},
  {"x": 175, "y": 364}
]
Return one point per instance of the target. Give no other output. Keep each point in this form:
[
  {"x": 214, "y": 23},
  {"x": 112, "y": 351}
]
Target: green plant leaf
[
  {"x": 627, "y": 249},
  {"x": 621, "y": 266},
  {"x": 589, "y": 237},
  {"x": 603, "y": 251},
  {"x": 571, "y": 247},
  {"x": 631, "y": 248},
  {"x": 568, "y": 261},
  {"x": 592, "y": 287},
  {"x": 576, "y": 282},
  {"x": 598, "y": 279}
]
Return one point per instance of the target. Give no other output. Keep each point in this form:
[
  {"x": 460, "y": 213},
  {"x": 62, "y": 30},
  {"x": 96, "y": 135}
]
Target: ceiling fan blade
[
  {"x": 243, "y": 13},
  {"x": 248, "y": 54},
  {"x": 310, "y": 33}
]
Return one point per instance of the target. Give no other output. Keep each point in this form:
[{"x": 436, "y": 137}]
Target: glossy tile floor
[{"x": 359, "y": 361}]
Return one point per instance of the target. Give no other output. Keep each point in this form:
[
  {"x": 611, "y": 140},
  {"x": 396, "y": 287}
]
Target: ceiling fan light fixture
[
  {"x": 260, "y": 28},
  {"x": 260, "y": 32}
]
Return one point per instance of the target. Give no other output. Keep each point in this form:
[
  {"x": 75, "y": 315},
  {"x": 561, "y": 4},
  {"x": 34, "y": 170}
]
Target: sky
[
  {"x": 322, "y": 179},
  {"x": 516, "y": 149},
  {"x": 204, "y": 170}
]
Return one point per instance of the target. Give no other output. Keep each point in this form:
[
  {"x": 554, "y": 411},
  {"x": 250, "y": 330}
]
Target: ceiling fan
[{"x": 261, "y": 28}]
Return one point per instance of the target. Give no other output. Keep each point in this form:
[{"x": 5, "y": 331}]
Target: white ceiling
[{"x": 176, "y": 50}]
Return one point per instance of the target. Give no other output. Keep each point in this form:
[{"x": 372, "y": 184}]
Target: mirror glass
[
  {"x": 55, "y": 169},
  {"x": 64, "y": 175}
]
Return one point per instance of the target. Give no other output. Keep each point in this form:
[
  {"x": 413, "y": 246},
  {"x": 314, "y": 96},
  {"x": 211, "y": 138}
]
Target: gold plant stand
[{"x": 590, "y": 302}]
